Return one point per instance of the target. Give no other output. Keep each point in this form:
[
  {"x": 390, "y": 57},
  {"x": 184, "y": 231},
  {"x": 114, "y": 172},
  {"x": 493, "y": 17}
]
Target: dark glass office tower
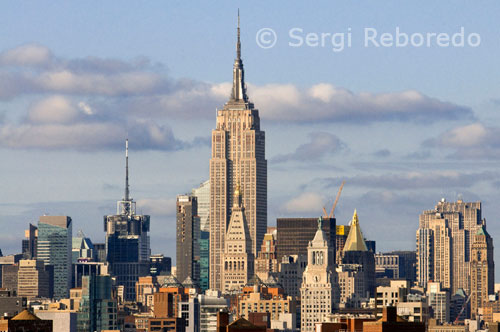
[
  {"x": 127, "y": 242},
  {"x": 294, "y": 234}
]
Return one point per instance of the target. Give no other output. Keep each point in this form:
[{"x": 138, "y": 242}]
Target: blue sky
[{"x": 403, "y": 126}]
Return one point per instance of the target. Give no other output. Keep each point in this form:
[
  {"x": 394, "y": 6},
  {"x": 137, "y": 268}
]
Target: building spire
[
  {"x": 238, "y": 44},
  {"x": 239, "y": 89},
  {"x": 127, "y": 192}
]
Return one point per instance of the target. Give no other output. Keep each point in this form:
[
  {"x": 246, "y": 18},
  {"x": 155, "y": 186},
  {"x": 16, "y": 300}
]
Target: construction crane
[
  {"x": 332, "y": 212},
  {"x": 463, "y": 309}
]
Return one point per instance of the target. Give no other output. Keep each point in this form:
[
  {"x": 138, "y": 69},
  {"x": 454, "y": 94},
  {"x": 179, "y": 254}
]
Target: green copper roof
[{"x": 482, "y": 231}]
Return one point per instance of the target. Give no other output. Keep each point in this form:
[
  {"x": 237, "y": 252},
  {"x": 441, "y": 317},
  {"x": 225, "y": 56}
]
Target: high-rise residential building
[
  {"x": 319, "y": 291},
  {"x": 355, "y": 251},
  {"x": 127, "y": 241},
  {"x": 439, "y": 300},
  {"x": 188, "y": 237},
  {"x": 29, "y": 243},
  {"x": 482, "y": 270},
  {"x": 294, "y": 234},
  {"x": 202, "y": 194},
  {"x": 98, "y": 310},
  {"x": 449, "y": 222},
  {"x": 33, "y": 280},
  {"x": 237, "y": 256},
  {"x": 8, "y": 261},
  {"x": 266, "y": 263},
  {"x": 438, "y": 265},
  {"x": 238, "y": 157},
  {"x": 55, "y": 235}
]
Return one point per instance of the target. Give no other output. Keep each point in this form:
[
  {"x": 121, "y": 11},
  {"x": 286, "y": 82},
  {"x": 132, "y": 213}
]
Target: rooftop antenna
[{"x": 127, "y": 192}]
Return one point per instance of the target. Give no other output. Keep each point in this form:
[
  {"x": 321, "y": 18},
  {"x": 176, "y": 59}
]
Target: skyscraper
[
  {"x": 355, "y": 251},
  {"x": 188, "y": 236},
  {"x": 202, "y": 194},
  {"x": 444, "y": 241},
  {"x": 482, "y": 270},
  {"x": 54, "y": 248},
  {"x": 98, "y": 309},
  {"x": 238, "y": 156},
  {"x": 29, "y": 244},
  {"x": 294, "y": 234},
  {"x": 319, "y": 291},
  {"x": 127, "y": 241},
  {"x": 237, "y": 257}
]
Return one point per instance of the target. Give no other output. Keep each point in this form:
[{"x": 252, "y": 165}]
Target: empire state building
[{"x": 238, "y": 158}]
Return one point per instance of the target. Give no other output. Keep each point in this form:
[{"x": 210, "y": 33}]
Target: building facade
[
  {"x": 188, "y": 237},
  {"x": 319, "y": 291},
  {"x": 238, "y": 157},
  {"x": 33, "y": 280},
  {"x": 294, "y": 234},
  {"x": 237, "y": 257},
  {"x": 266, "y": 263},
  {"x": 482, "y": 270},
  {"x": 444, "y": 243},
  {"x": 54, "y": 248}
]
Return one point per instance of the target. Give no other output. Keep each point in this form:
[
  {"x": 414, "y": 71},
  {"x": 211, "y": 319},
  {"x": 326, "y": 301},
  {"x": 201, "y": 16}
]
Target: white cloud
[
  {"x": 471, "y": 141},
  {"x": 26, "y": 55},
  {"x": 307, "y": 202},
  {"x": 325, "y": 102},
  {"x": 157, "y": 206},
  {"x": 414, "y": 180},
  {"x": 54, "y": 109},
  {"x": 320, "y": 144},
  {"x": 142, "y": 88}
]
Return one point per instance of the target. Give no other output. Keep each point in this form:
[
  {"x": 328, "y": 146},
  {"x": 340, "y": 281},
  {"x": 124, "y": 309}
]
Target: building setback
[
  {"x": 238, "y": 157},
  {"x": 482, "y": 270},
  {"x": 444, "y": 241}
]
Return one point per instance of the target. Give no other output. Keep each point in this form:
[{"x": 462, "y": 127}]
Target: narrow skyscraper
[
  {"x": 188, "y": 238},
  {"x": 482, "y": 270},
  {"x": 127, "y": 241},
  {"x": 238, "y": 156}
]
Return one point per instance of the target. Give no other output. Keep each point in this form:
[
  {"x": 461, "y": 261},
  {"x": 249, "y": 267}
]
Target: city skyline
[{"x": 424, "y": 139}]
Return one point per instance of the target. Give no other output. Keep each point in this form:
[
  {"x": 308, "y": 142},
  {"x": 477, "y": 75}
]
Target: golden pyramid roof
[{"x": 355, "y": 240}]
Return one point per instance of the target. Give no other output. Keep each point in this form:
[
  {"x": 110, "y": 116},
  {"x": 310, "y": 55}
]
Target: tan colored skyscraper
[
  {"x": 463, "y": 219},
  {"x": 482, "y": 270},
  {"x": 238, "y": 156}
]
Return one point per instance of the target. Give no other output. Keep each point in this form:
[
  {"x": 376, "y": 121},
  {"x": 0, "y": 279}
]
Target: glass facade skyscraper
[{"x": 54, "y": 248}]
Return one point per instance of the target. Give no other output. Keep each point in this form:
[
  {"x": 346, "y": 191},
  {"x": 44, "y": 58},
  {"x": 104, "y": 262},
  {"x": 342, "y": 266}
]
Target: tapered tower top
[{"x": 239, "y": 89}]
